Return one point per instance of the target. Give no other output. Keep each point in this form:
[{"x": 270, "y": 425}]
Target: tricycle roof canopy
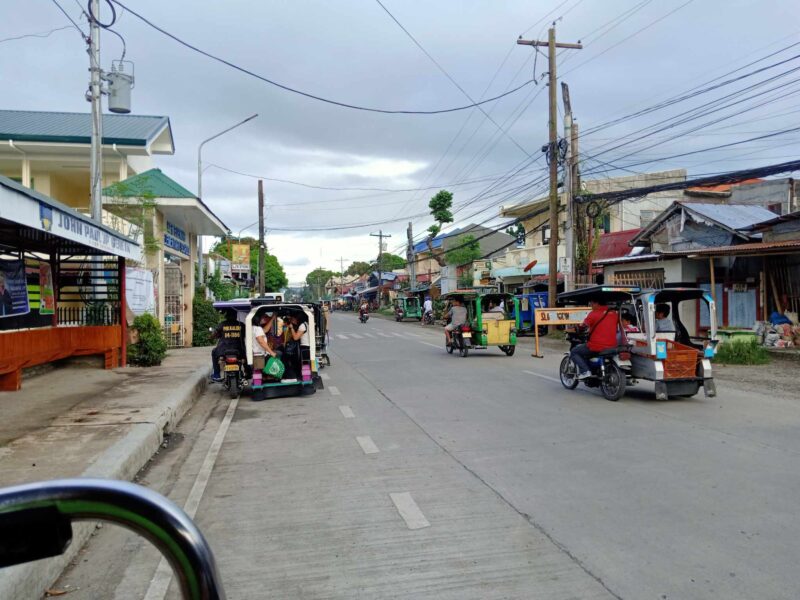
[{"x": 606, "y": 293}]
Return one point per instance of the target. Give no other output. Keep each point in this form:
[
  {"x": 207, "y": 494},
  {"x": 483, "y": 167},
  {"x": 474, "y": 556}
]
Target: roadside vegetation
[
  {"x": 150, "y": 347},
  {"x": 741, "y": 352}
]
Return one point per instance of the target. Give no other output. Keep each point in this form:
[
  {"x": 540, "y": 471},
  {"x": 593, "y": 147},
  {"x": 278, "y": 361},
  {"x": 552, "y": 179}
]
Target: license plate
[
  {"x": 231, "y": 367},
  {"x": 467, "y": 336}
]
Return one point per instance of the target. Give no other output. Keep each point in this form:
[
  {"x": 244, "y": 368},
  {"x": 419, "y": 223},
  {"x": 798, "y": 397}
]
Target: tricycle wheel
[
  {"x": 509, "y": 350},
  {"x": 568, "y": 373},
  {"x": 613, "y": 384}
]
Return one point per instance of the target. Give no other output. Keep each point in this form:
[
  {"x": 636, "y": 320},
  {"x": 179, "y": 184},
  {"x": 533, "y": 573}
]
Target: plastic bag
[{"x": 274, "y": 367}]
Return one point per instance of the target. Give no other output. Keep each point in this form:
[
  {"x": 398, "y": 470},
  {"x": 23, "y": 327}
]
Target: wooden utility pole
[
  {"x": 412, "y": 265},
  {"x": 261, "y": 257},
  {"x": 380, "y": 235},
  {"x": 341, "y": 274},
  {"x": 552, "y": 150}
]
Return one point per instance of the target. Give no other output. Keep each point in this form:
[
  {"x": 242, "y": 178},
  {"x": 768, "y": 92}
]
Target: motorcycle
[
  {"x": 427, "y": 318},
  {"x": 461, "y": 340},
  {"x": 363, "y": 316},
  {"x": 610, "y": 369},
  {"x": 231, "y": 367}
]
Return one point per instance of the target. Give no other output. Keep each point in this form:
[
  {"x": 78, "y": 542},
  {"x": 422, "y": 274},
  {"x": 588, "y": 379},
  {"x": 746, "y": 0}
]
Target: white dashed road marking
[
  {"x": 334, "y": 391},
  {"x": 356, "y": 336},
  {"x": 341, "y": 336},
  {"x": 543, "y": 376},
  {"x": 369, "y": 335},
  {"x": 347, "y": 412},
  {"x": 432, "y": 345},
  {"x": 367, "y": 445},
  {"x": 400, "y": 335},
  {"x": 325, "y": 376},
  {"x": 409, "y": 510},
  {"x": 380, "y": 333}
]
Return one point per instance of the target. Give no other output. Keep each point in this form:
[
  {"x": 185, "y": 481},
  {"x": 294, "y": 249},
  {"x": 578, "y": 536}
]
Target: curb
[{"x": 121, "y": 461}]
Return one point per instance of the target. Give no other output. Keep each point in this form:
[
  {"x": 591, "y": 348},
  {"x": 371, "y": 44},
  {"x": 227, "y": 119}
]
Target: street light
[{"x": 200, "y": 186}]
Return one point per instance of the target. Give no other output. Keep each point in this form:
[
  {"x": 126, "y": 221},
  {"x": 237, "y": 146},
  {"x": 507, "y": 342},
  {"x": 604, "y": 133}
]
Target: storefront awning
[{"x": 30, "y": 218}]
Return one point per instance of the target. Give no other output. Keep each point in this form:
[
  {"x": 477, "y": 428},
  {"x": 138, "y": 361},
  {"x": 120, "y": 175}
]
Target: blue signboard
[{"x": 175, "y": 241}]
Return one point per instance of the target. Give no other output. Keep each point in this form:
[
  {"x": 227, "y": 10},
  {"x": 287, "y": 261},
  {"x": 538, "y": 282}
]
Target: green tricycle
[
  {"x": 492, "y": 320},
  {"x": 407, "y": 307}
]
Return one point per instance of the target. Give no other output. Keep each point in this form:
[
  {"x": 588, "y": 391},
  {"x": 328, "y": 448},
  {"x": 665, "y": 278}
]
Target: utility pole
[
  {"x": 552, "y": 150},
  {"x": 95, "y": 91},
  {"x": 380, "y": 235},
  {"x": 569, "y": 229},
  {"x": 341, "y": 274},
  {"x": 261, "y": 257},
  {"x": 412, "y": 265}
]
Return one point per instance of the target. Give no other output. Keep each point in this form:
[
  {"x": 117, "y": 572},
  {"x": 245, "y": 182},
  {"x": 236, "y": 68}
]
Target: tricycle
[
  {"x": 654, "y": 343},
  {"x": 492, "y": 320},
  {"x": 407, "y": 307}
]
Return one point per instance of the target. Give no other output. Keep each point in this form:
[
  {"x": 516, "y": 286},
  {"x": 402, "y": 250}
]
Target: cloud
[{"x": 299, "y": 261}]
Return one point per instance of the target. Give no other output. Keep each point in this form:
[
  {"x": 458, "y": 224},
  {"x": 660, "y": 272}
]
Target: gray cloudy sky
[{"x": 637, "y": 53}]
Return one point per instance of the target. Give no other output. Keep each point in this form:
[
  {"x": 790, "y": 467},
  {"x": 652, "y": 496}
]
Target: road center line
[
  {"x": 334, "y": 391},
  {"x": 367, "y": 445},
  {"x": 431, "y": 345},
  {"x": 163, "y": 575},
  {"x": 346, "y": 411},
  {"x": 409, "y": 510},
  {"x": 543, "y": 376}
]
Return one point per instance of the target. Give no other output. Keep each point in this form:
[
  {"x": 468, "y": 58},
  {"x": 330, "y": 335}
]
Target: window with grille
[{"x": 644, "y": 278}]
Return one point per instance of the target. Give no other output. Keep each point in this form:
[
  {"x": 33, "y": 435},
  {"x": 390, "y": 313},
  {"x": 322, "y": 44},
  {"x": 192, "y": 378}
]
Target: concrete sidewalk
[{"x": 85, "y": 422}]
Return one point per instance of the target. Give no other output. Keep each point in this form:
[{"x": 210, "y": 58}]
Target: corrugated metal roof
[
  {"x": 733, "y": 216},
  {"x": 753, "y": 248},
  {"x": 76, "y": 128},
  {"x": 150, "y": 183},
  {"x": 792, "y": 216},
  {"x": 615, "y": 244}
]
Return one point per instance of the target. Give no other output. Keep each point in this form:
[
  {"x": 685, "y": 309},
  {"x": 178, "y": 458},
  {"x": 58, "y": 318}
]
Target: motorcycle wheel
[
  {"x": 463, "y": 350},
  {"x": 449, "y": 347},
  {"x": 568, "y": 373},
  {"x": 233, "y": 387},
  {"x": 509, "y": 350},
  {"x": 613, "y": 384}
]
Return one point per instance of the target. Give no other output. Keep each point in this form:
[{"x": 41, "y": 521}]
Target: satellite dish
[{"x": 530, "y": 265}]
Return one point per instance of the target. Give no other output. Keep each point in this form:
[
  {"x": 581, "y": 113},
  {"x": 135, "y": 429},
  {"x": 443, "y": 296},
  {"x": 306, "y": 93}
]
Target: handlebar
[{"x": 36, "y": 522}]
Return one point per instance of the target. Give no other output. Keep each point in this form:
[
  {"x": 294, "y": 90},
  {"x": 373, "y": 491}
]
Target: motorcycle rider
[
  {"x": 230, "y": 337},
  {"x": 363, "y": 309},
  {"x": 427, "y": 308},
  {"x": 457, "y": 315},
  {"x": 602, "y": 323}
]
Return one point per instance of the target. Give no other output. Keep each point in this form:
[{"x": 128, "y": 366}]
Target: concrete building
[
  {"x": 625, "y": 215},
  {"x": 50, "y": 152},
  {"x": 168, "y": 219}
]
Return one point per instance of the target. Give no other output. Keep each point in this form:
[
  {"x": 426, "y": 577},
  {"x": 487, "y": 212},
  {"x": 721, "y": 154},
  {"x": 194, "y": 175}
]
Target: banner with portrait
[
  {"x": 47, "y": 297},
  {"x": 13, "y": 289}
]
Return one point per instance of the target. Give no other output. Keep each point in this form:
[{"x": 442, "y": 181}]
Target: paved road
[{"x": 417, "y": 474}]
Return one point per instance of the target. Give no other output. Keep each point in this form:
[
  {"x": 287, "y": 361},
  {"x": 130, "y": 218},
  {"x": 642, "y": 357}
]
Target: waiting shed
[{"x": 62, "y": 284}]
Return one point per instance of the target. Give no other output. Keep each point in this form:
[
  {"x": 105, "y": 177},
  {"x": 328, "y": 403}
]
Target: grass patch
[{"x": 741, "y": 352}]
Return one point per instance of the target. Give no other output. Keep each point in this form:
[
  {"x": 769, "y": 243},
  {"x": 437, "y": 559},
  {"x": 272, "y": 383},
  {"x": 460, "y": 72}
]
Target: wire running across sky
[{"x": 308, "y": 94}]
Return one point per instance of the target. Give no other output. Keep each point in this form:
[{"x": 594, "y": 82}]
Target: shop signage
[
  {"x": 47, "y": 299},
  {"x": 225, "y": 268},
  {"x": 240, "y": 258},
  {"x": 175, "y": 241},
  {"x": 36, "y": 214}
]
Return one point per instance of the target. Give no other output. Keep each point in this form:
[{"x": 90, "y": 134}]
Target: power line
[
  {"x": 446, "y": 74},
  {"x": 308, "y": 94},
  {"x": 70, "y": 19},
  {"x": 41, "y": 34}
]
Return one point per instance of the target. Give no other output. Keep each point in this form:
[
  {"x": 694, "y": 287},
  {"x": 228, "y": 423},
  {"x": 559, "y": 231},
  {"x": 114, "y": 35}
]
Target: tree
[
  {"x": 390, "y": 262},
  {"x": 466, "y": 251},
  {"x": 440, "y": 206},
  {"x": 274, "y": 276},
  {"x": 317, "y": 279},
  {"x": 358, "y": 268}
]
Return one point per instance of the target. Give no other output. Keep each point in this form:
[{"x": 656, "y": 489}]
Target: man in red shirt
[{"x": 603, "y": 324}]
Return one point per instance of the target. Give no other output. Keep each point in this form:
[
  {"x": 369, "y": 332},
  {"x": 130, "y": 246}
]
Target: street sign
[{"x": 572, "y": 315}]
